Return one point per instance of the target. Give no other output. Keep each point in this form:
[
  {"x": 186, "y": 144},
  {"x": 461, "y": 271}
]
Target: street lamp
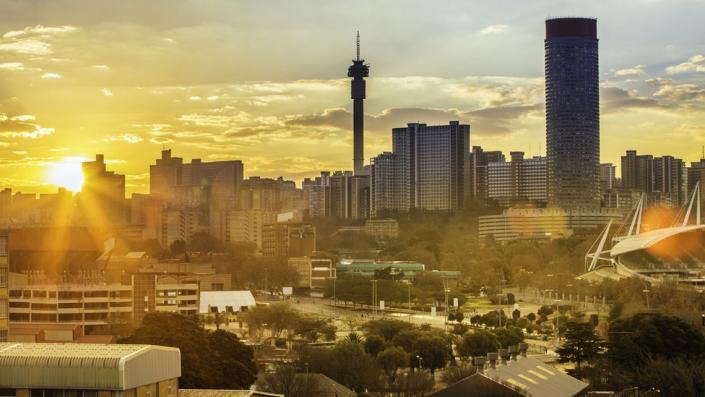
[
  {"x": 420, "y": 361},
  {"x": 646, "y": 293}
]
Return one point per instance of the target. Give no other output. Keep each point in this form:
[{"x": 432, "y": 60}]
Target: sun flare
[{"x": 67, "y": 173}]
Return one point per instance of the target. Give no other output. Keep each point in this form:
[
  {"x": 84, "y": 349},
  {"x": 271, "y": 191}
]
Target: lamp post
[{"x": 646, "y": 293}]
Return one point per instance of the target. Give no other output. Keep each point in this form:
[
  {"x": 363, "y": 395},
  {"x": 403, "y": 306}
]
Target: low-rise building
[
  {"x": 89, "y": 370},
  {"x": 314, "y": 272},
  {"x": 287, "y": 239},
  {"x": 368, "y": 267},
  {"x": 226, "y": 301},
  {"x": 542, "y": 223}
]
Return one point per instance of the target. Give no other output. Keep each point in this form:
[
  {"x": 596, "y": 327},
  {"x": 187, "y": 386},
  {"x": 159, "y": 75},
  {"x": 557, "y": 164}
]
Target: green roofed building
[
  {"x": 88, "y": 370},
  {"x": 368, "y": 267}
]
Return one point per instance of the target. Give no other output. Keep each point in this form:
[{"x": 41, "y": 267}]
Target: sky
[{"x": 265, "y": 81}]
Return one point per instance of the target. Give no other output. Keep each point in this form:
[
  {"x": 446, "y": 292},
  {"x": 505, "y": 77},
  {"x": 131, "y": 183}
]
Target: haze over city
[{"x": 234, "y": 79}]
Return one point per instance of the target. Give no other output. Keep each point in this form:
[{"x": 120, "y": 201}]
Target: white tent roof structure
[{"x": 224, "y": 300}]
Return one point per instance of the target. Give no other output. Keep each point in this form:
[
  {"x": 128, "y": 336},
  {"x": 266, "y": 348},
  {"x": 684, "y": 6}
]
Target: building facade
[
  {"x": 434, "y": 161},
  {"x": 519, "y": 181},
  {"x": 4, "y": 282},
  {"x": 245, "y": 225},
  {"x": 285, "y": 240},
  {"x": 389, "y": 190},
  {"x": 572, "y": 113},
  {"x": 102, "y": 197}
]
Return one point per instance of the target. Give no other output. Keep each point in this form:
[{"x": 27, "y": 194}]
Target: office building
[
  {"x": 88, "y": 370},
  {"x": 270, "y": 195},
  {"x": 542, "y": 223},
  {"x": 433, "y": 161},
  {"x": 638, "y": 171},
  {"x": 519, "y": 181},
  {"x": 102, "y": 198},
  {"x": 607, "y": 177},
  {"x": 389, "y": 185},
  {"x": 477, "y": 176},
  {"x": 572, "y": 113},
  {"x": 358, "y": 71},
  {"x": 284, "y": 240},
  {"x": 4, "y": 282},
  {"x": 245, "y": 225}
]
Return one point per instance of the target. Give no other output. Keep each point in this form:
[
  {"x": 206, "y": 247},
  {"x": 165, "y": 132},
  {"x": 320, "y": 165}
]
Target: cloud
[
  {"x": 615, "y": 99},
  {"x": 693, "y": 64},
  {"x": 22, "y": 126},
  {"x": 27, "y": 47},
  {"x": 51, "y": 76},
  {"x": 39, "y": 30},
  {"x": 106, "y": 92},
  {"x": 12, "y": 66},
  {"x": 633, "y": 71},
  {"x": 493, "y": 29},
  {"x": 129, "y": 138}
]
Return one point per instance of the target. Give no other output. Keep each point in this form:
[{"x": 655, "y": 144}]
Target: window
[
  {"x": 3, "y": 277},
  {"x": 3, "y": 308}
]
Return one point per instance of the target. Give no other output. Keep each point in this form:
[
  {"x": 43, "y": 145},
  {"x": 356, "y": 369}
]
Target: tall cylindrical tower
[
  {"x": 358, "y": 71},
  {"x": 572, "y": 113}
]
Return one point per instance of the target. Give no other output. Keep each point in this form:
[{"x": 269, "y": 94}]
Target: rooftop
[{"x": 86, "y": 366}]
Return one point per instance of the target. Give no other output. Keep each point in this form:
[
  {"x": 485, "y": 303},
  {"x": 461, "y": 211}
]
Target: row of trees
[{"x": 281, "y": 318}]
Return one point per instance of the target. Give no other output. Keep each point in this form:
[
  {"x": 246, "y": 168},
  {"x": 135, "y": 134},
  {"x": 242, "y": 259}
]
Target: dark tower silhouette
[
  {"x": 572, "y": 113},
  {"x": 358, "y": 71}
]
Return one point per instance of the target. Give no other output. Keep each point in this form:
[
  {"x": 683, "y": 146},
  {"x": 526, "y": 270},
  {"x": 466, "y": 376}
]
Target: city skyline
[{"x": 79, "y": 82}]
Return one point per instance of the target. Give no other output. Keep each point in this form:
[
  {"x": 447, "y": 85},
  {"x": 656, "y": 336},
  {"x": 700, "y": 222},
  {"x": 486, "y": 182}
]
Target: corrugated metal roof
[
  {"x": 86, "y": 366},
  {"x": 224, "y": 393},
  {"x": 535, "y": 378}
]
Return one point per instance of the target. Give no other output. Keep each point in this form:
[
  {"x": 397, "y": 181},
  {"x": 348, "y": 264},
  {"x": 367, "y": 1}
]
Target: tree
[
  {"x": 177, "y": 247},
  {"x": 516, "y": 314},
  {"x": 477, "y": 343},
  {"x": 209, "y": 360},
  {"x": 288, "y": 380},
  {"x": 391, "y": 359},
  {"x": 509, "y": 336},
  {"x": 347, "y": 363},
  {"x": 386, "y": 328},
  {"x": 634, "y": 340},
  {"x": 374, "y": 344},
  {"x": 531, "y": 317},
  {"x": 581, "y": 344},
  {"x": 204, "y": 242},
  {"x": 433, "y": 352},
  {"x": 511, "y": 299}
]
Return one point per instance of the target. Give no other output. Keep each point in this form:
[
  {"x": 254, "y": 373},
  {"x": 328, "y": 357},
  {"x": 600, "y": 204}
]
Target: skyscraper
[
  {"x": 572, "y": 112},
  {"x": 358, "y": 71},
  {"x": 434, "y": 160}
]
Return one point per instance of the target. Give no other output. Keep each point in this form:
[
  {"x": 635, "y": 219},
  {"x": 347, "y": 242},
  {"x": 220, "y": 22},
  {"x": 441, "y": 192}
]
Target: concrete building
[
  {"x": 269, "y": 194},
  {"x": 607, "y": 177},
  {"x": 284, "y": 240},
  {"x": 245, "y": 225},
  {"x": 542, "y": 223},
  {"x": 317, "y": 195},
  {"x": 358, "y": 71},
  {"x": 434, "y": 161},
  {"x": 181, "y": 224},
  {"x": 477, "y": 175},
  {"x": 314, "y": 272},
  {"x": 638, "y": 171},
  {"x": 388, "y": 187},
  {"x": 695, "y": 175},
  {"x": 360, "y": 196},
  {"x": 572, "y": 113},
  {"x": 88, "y": 370},
  {"x": 519, "y": 181},
  {"x": 102, "y": 198},
  {"x": 4, "y": 282}
]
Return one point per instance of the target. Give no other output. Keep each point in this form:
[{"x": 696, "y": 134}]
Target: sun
[{"x": 67, "y": 173}]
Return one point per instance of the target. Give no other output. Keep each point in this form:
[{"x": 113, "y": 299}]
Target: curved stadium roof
[{"x": 647, "y": 239}]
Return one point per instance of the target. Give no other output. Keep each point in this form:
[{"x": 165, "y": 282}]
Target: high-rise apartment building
[
  {"x": 269, "y": 194},
  {"x": 638, "y": 171},
  {"x": 245, "y": 225},
  {"x": 389, "y": 186},
  {"x": 477, "y": 176},
  {"x": 520, "y": 180},
  {"x": 4, "y": 282},
  {"x": 607, "y": 177},
  {"x": 572, "y": 113},
  {"x": 102, "y": 198},
  {"x": 434, "y": 161}
]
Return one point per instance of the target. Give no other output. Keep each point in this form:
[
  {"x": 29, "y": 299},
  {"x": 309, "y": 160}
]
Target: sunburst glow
[{"x": 67, "y": 173}]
